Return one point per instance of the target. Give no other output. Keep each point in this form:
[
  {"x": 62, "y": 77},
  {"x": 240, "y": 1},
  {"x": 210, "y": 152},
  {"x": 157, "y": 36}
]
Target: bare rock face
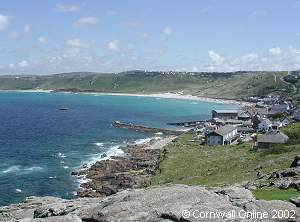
[{"x": 167, "y": 203}]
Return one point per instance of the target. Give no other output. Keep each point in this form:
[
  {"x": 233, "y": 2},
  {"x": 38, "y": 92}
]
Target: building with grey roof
[
  {"x": 222, "y": 136},
  {"x": 225, "y": 114},
  {"x": 271, "y": 138}
]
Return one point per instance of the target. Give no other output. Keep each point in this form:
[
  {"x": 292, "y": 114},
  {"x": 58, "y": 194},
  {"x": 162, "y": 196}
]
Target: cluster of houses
[{"x": 260, "y": 123}]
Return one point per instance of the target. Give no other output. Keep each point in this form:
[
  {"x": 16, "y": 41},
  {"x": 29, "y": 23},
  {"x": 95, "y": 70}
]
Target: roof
[
  {"x": 226, "y": 111},
  {"x": 245, "y": 129},
  {"x": 224, "y": 130},
  {"x": 244, "y": 115},
  {"x": 273, "y": 137},
  {"x": 285, "y": 118},
  {"x": 266, "y": 121},
  {"x": 277, "y": 123}
]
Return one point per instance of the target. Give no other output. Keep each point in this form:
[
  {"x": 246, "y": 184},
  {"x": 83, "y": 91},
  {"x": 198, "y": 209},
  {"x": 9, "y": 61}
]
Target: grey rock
[
  {"x": 68, "y": 218},
  {"x": 296, "y": 201},
  {"x": 54, "y": 209},
  {"x": 237, "y": 195},
  {"x": 271, "y": 206},
  {"x": 156, "y": 204}
]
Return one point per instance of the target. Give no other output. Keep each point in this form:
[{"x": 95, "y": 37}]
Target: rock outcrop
[
  {"x": 282, "y": 179},
  {"x": 168, "y": 203},
  {"x": 133, "y": 170}
]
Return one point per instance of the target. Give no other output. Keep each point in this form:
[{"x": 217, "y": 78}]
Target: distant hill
[{"x": 232, "y": 85}]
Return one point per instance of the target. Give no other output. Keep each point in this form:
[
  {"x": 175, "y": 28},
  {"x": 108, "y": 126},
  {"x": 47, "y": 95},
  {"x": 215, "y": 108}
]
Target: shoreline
[
  {"x": 166, "y": 95},
  {"x": 132, "y": 169}
]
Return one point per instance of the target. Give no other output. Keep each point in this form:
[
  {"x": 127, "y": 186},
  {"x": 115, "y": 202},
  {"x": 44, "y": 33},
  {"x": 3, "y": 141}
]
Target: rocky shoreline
[{"x": 133, "y": 170}]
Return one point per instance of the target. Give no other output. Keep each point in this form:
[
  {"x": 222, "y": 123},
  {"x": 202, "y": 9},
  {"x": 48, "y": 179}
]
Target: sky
[{"x": 44, "y": 37}]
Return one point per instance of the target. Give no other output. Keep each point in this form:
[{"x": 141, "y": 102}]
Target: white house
[
  {"x": 222, "y": 136},
  {"x": 265, "y": 125}
]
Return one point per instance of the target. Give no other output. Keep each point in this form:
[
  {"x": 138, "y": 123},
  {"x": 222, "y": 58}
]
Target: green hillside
[
  {"x": 186, "y": 162},
  {"x": 236, "y": 85}
]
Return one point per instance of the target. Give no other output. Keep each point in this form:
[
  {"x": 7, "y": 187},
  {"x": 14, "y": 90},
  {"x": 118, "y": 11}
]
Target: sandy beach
[{"x": 166, "y": 95}]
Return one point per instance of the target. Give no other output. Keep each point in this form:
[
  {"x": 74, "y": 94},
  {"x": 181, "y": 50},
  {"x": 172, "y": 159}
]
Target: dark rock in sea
[
  {"x": 74, "y": 173},
  {"x": 103, "y": 155}
]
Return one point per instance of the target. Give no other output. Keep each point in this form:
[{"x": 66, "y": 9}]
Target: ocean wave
[
  {"x": 19, "y": 170},
  {"x": 147, "y": 140},
  {"x": 114, "y": 151},
  {"x": 61, "y": 155},
  {"x": 99, "y": 144},
  {"x": 142, "y": 141}
]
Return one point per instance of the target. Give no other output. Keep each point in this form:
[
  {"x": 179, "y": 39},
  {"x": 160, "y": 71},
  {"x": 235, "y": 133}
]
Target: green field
[
  {"x": 187, "y": 162},
  {"x": 216, "y": 85},
  {"x": 275, "y": 194}
]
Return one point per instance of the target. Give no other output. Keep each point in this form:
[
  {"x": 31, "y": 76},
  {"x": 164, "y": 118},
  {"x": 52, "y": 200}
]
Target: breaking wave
[{"x": 19, "y": 170}]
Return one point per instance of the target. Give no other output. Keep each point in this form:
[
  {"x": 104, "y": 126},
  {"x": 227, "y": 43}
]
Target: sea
[{"x": 40, "y": 144}]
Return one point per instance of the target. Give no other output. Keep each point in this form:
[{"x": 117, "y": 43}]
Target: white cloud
[
  {"x": 146, "y": 35},
  {"x": 15, "y": 35},
  {"x": 259, "y": 13},
  {"x": 42, "y": 40},
  {"x": 250, "y": 57},
  {"x": 67, "y": 8},
  {"x": 27, "y": 28},
  {"x": 78, "y": 43},
  {"x": 207, "y": 9},
  {"x": 167, "y": 31},
  {"x": 275, "y": 51},
  {"x": 215, "y": 57},
  {"x": 4, "y": 22},
  {"x": 275, "y": 59},
  {"x": 11, "y": 65},
  {"x": 71, "y": 52},
  {"x": 85, "y": 21},
  {"x": 113, "y": 45},
  {"x": 23, "y": 64},
  {"x": 195, "y": 69}
]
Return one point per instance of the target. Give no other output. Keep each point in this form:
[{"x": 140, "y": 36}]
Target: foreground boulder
[{"x": 168, "y": 203}]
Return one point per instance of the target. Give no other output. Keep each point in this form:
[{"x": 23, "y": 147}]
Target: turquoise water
[{"x": 41, "y": 145}]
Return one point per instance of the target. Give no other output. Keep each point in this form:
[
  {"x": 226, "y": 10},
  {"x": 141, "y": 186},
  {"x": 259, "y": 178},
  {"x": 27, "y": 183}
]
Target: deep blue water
[{"x": 41, "y": 145}]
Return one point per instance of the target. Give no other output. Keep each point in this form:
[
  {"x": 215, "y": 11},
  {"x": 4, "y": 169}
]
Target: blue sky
[{"x": 42, "y": 37}]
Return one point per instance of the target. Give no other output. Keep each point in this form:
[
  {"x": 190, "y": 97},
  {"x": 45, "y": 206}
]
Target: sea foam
[{"x": 19, "y": 170}]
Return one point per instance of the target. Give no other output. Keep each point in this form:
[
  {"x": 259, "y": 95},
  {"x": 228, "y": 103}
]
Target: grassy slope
[
  {"x": 188, "y": 162},
  {"x": 219, "y": 85},
  {"x": 275, "y": 194}
]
